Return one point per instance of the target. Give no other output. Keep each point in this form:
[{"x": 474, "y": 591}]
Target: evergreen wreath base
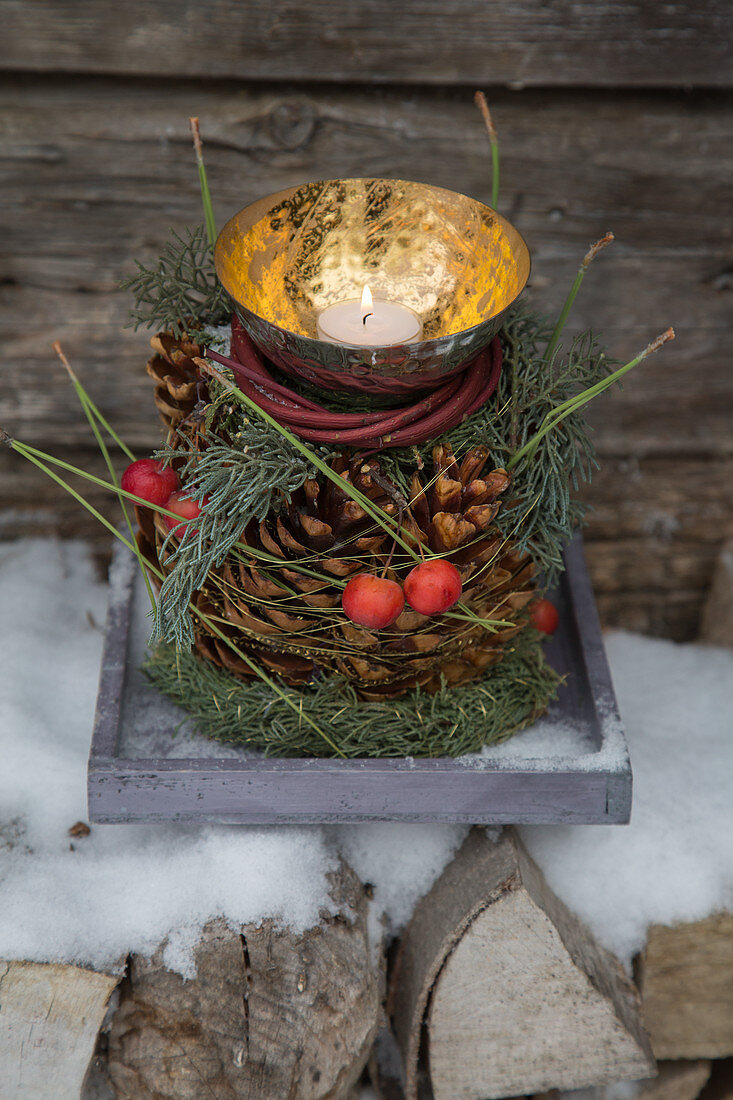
[{"x": 450, "y": 722}]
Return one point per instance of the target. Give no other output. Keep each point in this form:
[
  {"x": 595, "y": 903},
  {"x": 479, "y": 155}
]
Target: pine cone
[
  {"x": 291, "y": 622},
  {"x": 178, "y": 387}
]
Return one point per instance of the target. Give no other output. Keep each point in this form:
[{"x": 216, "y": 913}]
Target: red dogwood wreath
[{"x": 434, "y": 413}]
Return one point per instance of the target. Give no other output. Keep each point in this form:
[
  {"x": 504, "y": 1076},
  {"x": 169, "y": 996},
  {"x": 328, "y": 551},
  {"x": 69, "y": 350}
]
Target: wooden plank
[
  {"x": 644, "y": 496},
  {"x": 123, "y": 574},
  {"x": 574, "y": 160},
  {"x": 520, "y": 42},
  {"x": 653, "y": 539},
  {"x": 105, "y": 148},
  {"x": 98, "y": 171},
  {"x": 628, "y": 564},
  {"x": 668, "y": 613},
  {"x": 49, "y": 1019},
  {"x": 33, "y": 506},
  {"x": 305, "y": 793}
]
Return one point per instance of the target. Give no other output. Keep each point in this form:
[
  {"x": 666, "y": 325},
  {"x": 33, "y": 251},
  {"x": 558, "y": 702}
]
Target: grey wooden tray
[{"x": 147, "y": 763}]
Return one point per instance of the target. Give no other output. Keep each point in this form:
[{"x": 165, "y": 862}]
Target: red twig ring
[{"x": 445, "y": 407}]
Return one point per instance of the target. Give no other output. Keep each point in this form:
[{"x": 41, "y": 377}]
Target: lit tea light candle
[{"x": 368, "y": 322}]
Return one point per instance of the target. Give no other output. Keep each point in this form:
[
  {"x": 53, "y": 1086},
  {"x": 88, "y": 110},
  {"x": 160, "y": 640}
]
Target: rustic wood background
[{"x": 612, "y": 114}]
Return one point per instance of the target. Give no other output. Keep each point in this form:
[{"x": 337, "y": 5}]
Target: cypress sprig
[
  {"x": 240, "y": 482},
  {"x": 182, "y": 285}
]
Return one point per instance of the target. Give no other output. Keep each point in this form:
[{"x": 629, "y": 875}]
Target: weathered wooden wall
[{"x": 611, "y": 115}]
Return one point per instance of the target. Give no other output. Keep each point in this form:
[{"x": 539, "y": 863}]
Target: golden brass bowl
[{"x": 457, "y": 263}]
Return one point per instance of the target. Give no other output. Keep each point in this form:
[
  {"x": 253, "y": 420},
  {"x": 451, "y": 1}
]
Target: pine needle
[
  {"x": 93, "y": 416},
  {"x": 573, "y": 293},
  {"x": 203, "y": 182},
  {"x": 480, "y": 101},
  {"x": 573, "y": 405}
]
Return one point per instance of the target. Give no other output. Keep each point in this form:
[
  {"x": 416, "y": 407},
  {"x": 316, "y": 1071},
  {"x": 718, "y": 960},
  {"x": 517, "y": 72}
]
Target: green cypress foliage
[
  {"x": 451, "y": 722},
  {"x": 182, "y": 286}
]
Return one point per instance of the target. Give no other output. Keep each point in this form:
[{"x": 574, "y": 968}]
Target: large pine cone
[{"x": 292, "y": 623}]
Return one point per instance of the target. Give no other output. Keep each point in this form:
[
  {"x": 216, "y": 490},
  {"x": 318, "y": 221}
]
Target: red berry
[
  {"x": 433, "y": 586},
  {"x": 374, "y": 602},
  {"x": 149, "y": 479},
  {"x": 186, "y": 508},
  {"x": 544, "y": 616}
]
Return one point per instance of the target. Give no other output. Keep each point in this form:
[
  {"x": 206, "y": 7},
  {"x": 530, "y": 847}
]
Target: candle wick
[{"x": 363, "y": 320}]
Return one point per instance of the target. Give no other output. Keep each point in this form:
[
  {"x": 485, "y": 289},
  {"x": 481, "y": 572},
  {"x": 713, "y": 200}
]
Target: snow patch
[
  {"x": 400, "y": 861},
  {"x": 92, "y": 899}
]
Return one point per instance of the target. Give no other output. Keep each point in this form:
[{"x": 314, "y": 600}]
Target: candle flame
[{"x": 366, "y": 301}]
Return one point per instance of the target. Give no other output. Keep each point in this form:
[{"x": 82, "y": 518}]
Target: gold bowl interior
[{"x": 453, "y": 260}]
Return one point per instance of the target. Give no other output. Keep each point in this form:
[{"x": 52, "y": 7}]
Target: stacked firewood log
[{"x": 496, "y": 991}]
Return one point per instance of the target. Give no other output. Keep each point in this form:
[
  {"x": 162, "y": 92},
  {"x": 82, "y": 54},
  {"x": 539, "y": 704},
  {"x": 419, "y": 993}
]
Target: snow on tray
[
  {"x": 123, "y": 888},
  {"x": 557, "y": 744},
  {"x": 148, "y": 717}
]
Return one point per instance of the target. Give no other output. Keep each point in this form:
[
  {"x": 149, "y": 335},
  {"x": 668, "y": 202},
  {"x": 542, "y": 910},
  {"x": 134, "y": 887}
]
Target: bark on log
[
  {"x": 516, "y": 994},
  {"x": 269, "y": 1015},
  {"x": 686, "y": 988},
  {"x": 49, "y": 1019}
]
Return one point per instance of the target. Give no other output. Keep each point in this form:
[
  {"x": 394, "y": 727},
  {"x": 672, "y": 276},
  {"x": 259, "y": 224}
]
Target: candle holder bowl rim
[{"x": 268, "y": 313}]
